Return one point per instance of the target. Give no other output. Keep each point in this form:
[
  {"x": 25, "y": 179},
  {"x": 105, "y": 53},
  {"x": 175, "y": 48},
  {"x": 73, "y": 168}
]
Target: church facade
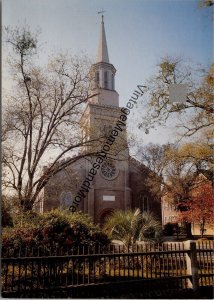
[{"x": 119, "y": 181}]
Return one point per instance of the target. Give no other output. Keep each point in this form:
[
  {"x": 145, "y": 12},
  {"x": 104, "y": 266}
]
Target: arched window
[
  {"x": 112, "y": 81},
  {"x": 107, "y": 129},
  {"x": 143, "y": 202},
  {"x": 105, "y": 79},
  {"x": 66, "y": 199}
]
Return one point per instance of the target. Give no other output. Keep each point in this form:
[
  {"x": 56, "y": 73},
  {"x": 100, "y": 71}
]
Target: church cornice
[
  {"x": 104, "y": 65},
  {"x": 98, "y": 108},
  {"x": 106, "y": 106}
]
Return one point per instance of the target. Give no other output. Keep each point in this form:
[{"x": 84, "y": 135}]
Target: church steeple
[
  {"x": 102, "y": 75},
  {"x": 102, "y": 53}
]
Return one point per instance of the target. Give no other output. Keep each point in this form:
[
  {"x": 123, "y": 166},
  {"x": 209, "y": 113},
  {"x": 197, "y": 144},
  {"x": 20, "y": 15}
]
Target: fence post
[{"x": 192, "y": 266}]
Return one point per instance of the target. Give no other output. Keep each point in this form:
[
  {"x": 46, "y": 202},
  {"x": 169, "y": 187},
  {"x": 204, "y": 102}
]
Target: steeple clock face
[{"x": 109, "y": 170}]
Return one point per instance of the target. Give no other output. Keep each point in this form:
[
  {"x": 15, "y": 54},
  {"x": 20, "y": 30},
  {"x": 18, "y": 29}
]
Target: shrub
[
  {"x": 171, "y": 229},
  {"x": 56, "y": 228},
  {"x": 29, "y": 219},
  {"x": 6, "y": 218}
]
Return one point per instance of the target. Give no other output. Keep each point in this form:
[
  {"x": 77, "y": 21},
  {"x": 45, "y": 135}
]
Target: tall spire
[
  {"x": 102, "y": 75},
  {"x": 102, "y": 54}
]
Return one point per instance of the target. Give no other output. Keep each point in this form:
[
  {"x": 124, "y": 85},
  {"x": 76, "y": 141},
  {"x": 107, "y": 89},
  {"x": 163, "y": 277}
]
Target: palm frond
[{"x": 131, "y": 226}]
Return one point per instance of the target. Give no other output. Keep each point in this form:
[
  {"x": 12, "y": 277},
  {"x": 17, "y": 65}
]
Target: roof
[{"x": 102, "y": 54}]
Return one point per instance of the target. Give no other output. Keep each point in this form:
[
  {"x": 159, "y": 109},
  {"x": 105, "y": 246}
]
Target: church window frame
[
  {"x": 112, "y": 81},
  {"x": 144, "y": 203},
  {"x": 66, "y": 199},
  {"x": 109, "y": 170},
  {"x": 107, "y": 129},
  {"x": 98, "y": 77},
  {"x": 106, "y": 79}
]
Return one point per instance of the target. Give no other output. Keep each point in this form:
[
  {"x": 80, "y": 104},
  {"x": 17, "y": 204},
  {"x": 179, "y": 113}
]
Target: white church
[{"x": 120, "y": 182}]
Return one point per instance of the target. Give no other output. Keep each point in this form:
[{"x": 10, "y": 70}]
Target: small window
[
  {"x": 97, "y": 78},
  {"x": 112, "y": 81},
  {"x": 145, "y": 203},
  {"x": 106, "y": 80},
  {"x": 107, "y": 129}
]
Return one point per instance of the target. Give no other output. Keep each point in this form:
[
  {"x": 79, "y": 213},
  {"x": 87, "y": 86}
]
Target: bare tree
[
  {"x": 175, "y": 167},
  {"x": 41, "y": 117}
]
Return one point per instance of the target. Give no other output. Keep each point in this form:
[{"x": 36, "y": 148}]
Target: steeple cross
[{"x": 102, "y": 12}]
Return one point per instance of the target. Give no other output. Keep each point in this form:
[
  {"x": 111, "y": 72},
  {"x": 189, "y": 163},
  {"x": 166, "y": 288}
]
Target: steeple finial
[
  {"x": 102, "y": 12},
  {"x": 102, "y": 54}
]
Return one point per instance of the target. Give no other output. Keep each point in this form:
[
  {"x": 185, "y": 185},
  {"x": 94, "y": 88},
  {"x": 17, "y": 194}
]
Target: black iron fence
[{"x": 173, "y": 265}]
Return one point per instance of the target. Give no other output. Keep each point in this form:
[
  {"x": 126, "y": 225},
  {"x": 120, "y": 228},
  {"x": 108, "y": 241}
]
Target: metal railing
[{"x": 181, "y": 265}]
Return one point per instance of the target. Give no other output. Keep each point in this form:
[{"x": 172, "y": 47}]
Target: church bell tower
[
  {"x": 102, "y": 111},
  {"x": 102, "y": 75},
  {"x": 110, "y": 188}
]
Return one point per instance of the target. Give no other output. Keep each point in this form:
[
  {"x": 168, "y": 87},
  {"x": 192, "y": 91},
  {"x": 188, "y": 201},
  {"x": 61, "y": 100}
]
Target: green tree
[{"x": 132, "y": 226}]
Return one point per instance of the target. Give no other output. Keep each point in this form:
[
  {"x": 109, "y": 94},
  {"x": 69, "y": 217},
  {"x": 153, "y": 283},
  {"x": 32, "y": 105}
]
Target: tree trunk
[
  {"x": 202, "y": 227},
  {"x": 26, "y": 205}
]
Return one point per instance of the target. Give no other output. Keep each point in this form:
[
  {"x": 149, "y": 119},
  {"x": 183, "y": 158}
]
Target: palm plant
[{"x": 132, "y": 226}]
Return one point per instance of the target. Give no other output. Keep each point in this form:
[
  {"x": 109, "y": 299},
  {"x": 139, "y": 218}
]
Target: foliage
[
  {"x": 6, "y": 219},
  {"x": 28, "y": 219},
  {"x": 206, "y": 3},
  {"x": 132, "y": 226},
  {"x": 200, "y": 208},
  {"x": 61, "y": 228},
  {"x": 153, "y": 156},
  {"x": 171, "y": 229},
  {"x": 170, "y": 169},
  {"x": 195, "y": 113},
  {"x": 41, "y": 116},
  {"x": 200, "y": 153},
  {"x": 176, "y": 166}
]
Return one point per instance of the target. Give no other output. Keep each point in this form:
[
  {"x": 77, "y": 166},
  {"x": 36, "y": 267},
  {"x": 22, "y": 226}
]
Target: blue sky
[{"x": 139, "y": 33}]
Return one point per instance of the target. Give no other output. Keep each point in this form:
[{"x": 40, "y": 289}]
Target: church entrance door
[{"x": 104, "y": 216}]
